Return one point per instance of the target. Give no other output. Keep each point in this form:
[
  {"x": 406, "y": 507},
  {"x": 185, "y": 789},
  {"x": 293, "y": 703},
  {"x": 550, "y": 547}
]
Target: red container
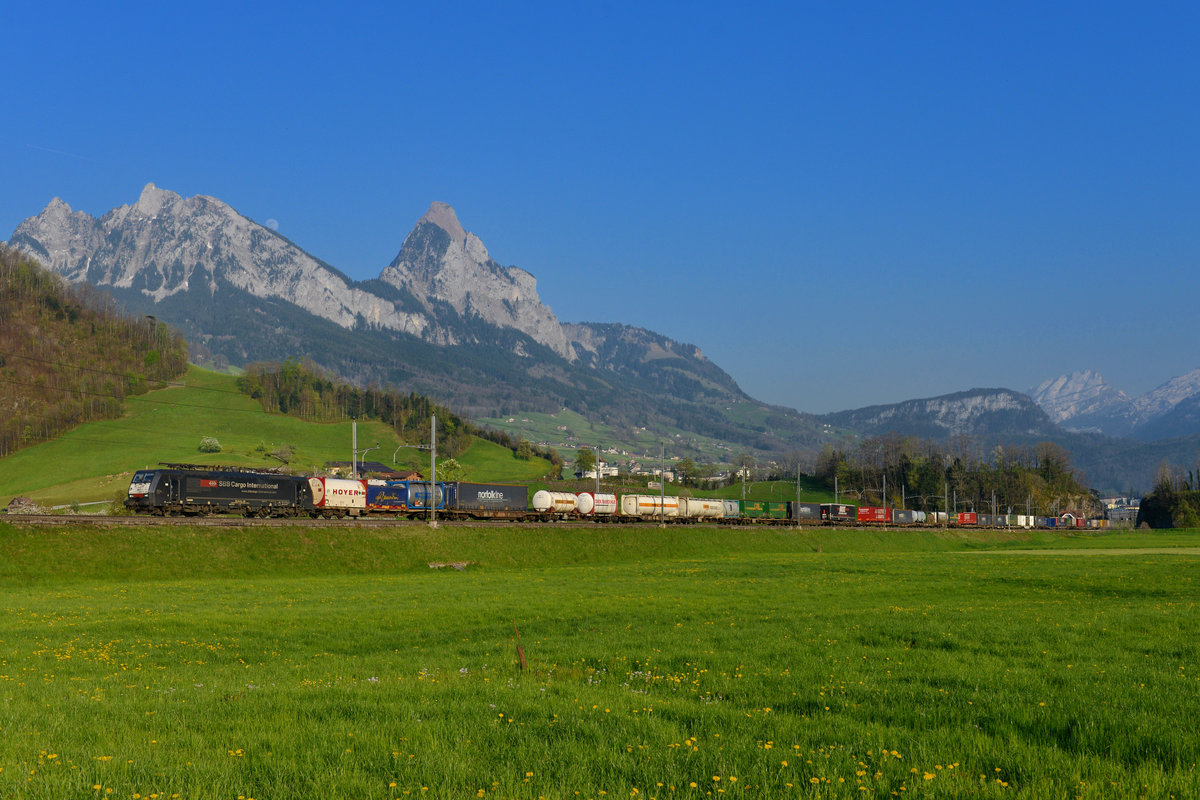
[
  {"x": 874, "y": 514},
  {"x": 968, "y": 518}
]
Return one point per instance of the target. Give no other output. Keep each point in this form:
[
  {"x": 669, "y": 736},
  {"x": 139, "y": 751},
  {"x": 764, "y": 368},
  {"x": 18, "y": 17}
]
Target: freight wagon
[
  {"x": 805, "y": 512},
  {"x": 874, "y": 514},
  {"x": 411, "y": 498},
  {"x": 763, "y": 510},
  {"x": 649, "y": 507},
  {"x": 597, "y": 504},
  {"x": 834, "y": 512},
  {"x": 487, "y": 501}
]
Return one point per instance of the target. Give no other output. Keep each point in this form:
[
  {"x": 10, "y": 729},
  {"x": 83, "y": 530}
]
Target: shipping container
[
  {"x": 387, "y": 495},
  {"x": 649, "y": 506},
  {"x": 874, "y": 514},
  {"x": 554, "y": 502},
  {"x": 486, "y": 497},
  {"x": 835, "y": 512},
  {"x": 764, "y": 509},
  {"x": 421, "y": 496},
  {"x": 701, "y": 508},
  {"x": 339, "y": 494},
  {"x": 905, "y": 517},
  {"x": 966, "y": 518},
  {"x": 805, "y": 512},
  {"x": 730, "y": 509},
  {"x": 591, "y": 503}
]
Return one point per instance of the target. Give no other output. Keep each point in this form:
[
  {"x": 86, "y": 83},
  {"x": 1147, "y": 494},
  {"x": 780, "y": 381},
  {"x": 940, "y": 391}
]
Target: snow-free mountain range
[{"x": 445, "y": 318}]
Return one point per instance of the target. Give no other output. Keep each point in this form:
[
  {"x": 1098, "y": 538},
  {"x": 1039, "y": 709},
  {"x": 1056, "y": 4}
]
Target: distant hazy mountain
[
  {"x": 985, "y": 413},
  {"x": 1085, "y": 402},
  {"x": 443, "y": 318},
  {"x": 1002, "y": 416}
]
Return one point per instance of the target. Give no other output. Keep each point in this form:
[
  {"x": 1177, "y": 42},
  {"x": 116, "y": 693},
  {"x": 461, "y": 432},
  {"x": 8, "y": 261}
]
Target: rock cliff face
[
  {"x": 441, "y": 263},
  {"x": 164, "y": 245}
]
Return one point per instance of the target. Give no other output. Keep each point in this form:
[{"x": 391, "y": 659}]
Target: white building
[{"x": 606, "y": 471}]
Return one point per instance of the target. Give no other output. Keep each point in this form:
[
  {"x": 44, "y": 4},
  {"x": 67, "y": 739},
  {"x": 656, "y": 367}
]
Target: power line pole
[{"x": 433, "y": 471}]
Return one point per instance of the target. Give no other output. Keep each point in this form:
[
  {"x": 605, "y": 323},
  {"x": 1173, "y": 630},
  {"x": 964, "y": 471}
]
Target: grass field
[
  {"x": 94, "y": 461},
  {"x": 302, "y": 663}
]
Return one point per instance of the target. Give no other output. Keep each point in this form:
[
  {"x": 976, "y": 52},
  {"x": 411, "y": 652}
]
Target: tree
[
  {"x": 448, "y": 469},
  {"x": 685, "y": 470},
  {"x": 524, "y": 449},
  {"x": 585, "y": 460}
]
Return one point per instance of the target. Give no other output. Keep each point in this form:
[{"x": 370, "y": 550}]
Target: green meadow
[{"x": 680, "y": 662}]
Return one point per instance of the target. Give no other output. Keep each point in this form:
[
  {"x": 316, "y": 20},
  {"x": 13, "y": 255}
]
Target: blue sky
[{"x": 841, "y": 204}]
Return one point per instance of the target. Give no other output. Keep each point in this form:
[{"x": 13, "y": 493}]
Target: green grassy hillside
[{"x": 93, "y": 462}]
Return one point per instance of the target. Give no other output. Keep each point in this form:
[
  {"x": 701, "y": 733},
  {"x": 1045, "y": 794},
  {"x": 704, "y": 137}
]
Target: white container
[
  {"x": 339, "y": 493},
  {"x": 648, "y": 506},
  {"x": 558, "y": 502},
  {"x": 701, "y": 508},
  {"x": 589, "y": 503}
]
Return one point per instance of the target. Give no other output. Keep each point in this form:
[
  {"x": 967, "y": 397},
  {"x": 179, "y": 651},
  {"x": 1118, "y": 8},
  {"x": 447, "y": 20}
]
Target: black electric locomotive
[{"x": 182, "y": 489}]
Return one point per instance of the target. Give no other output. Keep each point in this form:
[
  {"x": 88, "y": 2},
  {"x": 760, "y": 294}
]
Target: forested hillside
[
  {"x": 67, "y": 356},
  {"x": 302, "y": 389}
]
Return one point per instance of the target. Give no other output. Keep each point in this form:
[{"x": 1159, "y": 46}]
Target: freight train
[{"x": 189, "y": 490}]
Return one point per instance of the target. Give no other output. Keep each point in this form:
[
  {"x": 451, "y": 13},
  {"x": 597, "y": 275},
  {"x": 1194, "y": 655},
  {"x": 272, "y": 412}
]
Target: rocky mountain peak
[
  {"x": 164, "y": 246},
  {"x": 153, "y": 200},
  {"x": 442, "y": 215},
  {"x": 1081, "y": 393},
  {"x": 1170, "y": 394},
  {"x": 441, "y": 262}
]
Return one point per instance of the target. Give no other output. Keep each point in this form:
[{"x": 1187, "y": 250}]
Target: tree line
[
  {"x": 1175, "y": 500},
  {"x": 963, "y": 474},
  {"x": 68, "y": 355}
]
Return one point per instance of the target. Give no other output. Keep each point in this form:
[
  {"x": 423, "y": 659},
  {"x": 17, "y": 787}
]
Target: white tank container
[
  {"x": 339, "y": 493},
  {"x": 701, "y": 508},
  {"x": 558, "y": 502},
  {"x": 648, "y": 506},
  {"x": 589, "y": 503}
]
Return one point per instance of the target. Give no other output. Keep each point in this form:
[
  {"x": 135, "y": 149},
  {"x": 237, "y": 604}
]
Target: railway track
[{"x": 106, "y": 520}]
